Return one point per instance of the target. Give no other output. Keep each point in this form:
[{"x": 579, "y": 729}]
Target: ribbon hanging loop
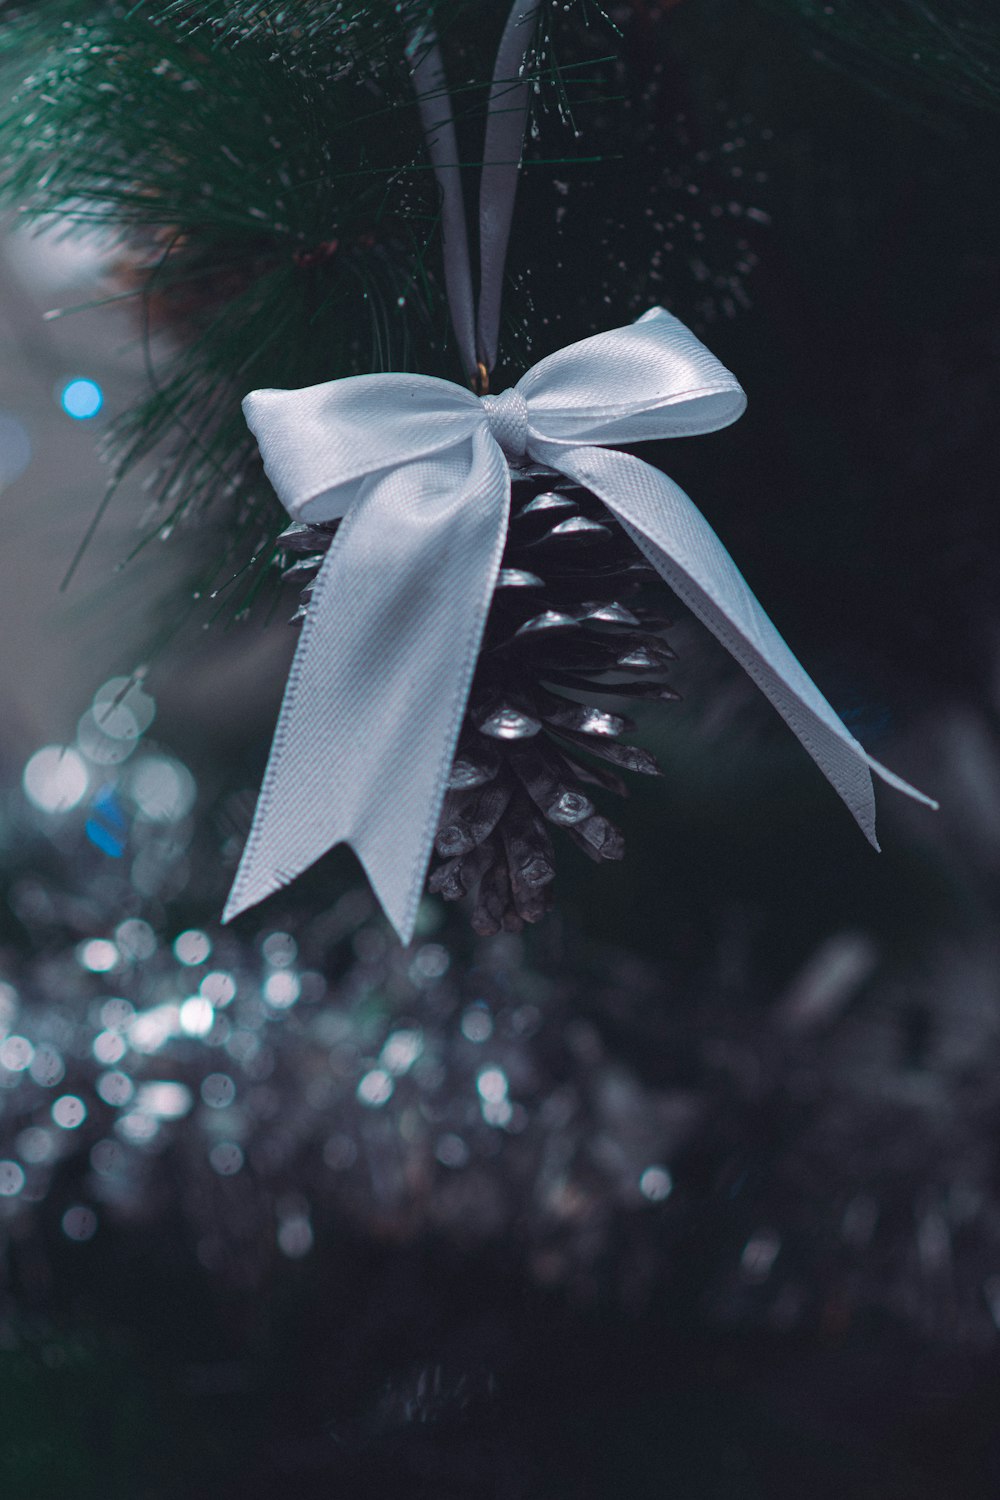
[{"x": 507, "y": 113}]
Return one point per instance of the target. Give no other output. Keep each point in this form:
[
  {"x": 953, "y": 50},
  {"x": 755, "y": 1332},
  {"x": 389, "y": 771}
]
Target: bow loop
[
  {"x": 650, "y": 379},
  {"x": 319, "y": 443}
]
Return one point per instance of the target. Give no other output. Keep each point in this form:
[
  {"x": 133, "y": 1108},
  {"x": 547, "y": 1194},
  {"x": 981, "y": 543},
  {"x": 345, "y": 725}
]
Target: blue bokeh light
[
  {"x": 81, "y": 398},
  {"x": 106, "y": 827},
  {"x": 105, "y": 839},
  {"x": 15, "y": 447}
]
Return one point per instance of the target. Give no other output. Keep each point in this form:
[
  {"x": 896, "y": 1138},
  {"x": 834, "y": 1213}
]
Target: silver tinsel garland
[
  {"x": 272, "y": 1078},
  {"x": 264, "y": 1088}
]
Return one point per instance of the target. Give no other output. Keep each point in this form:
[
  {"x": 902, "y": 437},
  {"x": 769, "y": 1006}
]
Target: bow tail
[
  {"x": 378, "y": 688},
  {"x": 670, "y": 530}
]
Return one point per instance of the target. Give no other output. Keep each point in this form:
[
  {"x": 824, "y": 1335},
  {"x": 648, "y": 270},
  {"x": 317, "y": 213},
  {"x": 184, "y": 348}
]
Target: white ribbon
[{"x": 419, "y": 469}]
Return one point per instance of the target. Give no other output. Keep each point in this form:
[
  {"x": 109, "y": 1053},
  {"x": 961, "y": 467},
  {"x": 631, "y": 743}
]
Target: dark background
[{"x": 859, "y": 495}]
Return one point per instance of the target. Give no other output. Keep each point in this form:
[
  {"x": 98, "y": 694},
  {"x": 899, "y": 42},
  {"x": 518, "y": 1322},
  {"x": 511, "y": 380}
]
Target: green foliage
[
  {"x": 273, "y": 210},
  {"x": 910, "y": 48},
  {"x": 263, "y": 168},
  {"x": 77, "y": 1417}
]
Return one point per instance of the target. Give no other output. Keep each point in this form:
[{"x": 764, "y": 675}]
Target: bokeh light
[
  {"x": 375, "y": 1088},
  {"x": 162, "y": 788},
  {"x": 81, "y": 398},
  {"x": 15, "y": 448},
  {"x": 16, "y": 1054},
  {"x": 192, "y": 947},
  {"x": 218, "y": 1090},
  {"x": 55, "y": 779},
  {"x": 97, "y": 955},
  {"x": 69, "y": 1112},
  {"x": 105, "y": 749},
  {"x": 79, "y": 1223},
  {"x": 164, "y": 1098},
  {"x": 219, "y": 988},
  {"x": 11, "y": 1179},
  {"x": 282, "y": 989},
  {"x": 226, "y": 1158},
  {"x": 47, "y": 1067},
  {"x": 122, "y": 707},
  {"x": 197, "y": 1016},
  {"x": 656, "y": 1183},
  {"x": 115, "y": 1088}
]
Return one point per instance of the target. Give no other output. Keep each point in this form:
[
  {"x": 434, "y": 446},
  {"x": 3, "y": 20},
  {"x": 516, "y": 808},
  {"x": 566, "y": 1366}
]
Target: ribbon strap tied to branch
[
  {"x": 419, "y": 469},
  {"x": 505, "y": 120}
]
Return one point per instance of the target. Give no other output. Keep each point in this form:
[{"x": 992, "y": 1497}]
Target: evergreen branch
[
  {"x": 951, "y": 49},
  {"x": 265, "y": 172}
]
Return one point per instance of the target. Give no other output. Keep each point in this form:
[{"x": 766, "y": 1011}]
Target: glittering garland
[
  {"x": 292, "y": 1074},
  {"x": 601, "y": 1119}
]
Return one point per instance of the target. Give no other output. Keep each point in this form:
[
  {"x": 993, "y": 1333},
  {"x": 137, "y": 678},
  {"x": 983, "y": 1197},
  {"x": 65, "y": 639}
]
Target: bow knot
[{"x": 507, "y": 415}]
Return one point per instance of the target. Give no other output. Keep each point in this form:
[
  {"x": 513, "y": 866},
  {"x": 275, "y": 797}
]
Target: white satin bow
[{"x": 419, "y": 469}]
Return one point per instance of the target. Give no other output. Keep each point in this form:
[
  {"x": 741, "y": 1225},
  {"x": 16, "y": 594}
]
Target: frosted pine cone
[{"x": 566, "y": 619}]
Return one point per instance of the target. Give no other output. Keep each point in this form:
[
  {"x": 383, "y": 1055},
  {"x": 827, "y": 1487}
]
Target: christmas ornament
[{"x": 420, "y": 470}]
